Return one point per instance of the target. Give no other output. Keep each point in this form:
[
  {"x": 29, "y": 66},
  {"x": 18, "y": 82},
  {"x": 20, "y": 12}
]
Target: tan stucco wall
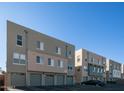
[{"x": 33, "y": 66}]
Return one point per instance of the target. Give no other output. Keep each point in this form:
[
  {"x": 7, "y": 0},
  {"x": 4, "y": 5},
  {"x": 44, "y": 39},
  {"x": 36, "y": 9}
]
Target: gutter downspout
[{"x": 26, "y": 53}]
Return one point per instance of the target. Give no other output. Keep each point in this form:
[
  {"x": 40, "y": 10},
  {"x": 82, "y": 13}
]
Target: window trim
[
  {"x": 58, "y": 63},
  {"x": 52, "y": 64},
  {"x": 18, "y": 64},
  {"x": 41, "y": 60},
  {"x": 17, "y": 39},
  {"x": 58, "y": 50},
  {"x": 41, "y": 48},
  {"x": 61, "y": 64},
  {"x": 70, "y": 68},
  {"x": 18, "y": 59}
]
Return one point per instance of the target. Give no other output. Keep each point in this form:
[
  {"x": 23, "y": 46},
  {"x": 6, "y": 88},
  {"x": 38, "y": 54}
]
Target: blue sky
[{"x": 98, "y": 27}]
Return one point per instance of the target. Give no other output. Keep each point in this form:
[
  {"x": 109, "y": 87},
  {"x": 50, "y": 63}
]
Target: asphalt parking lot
[{"x": 108, "y": 87}]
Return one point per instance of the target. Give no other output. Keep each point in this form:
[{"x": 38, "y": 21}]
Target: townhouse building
[
  {"x": 89, "y": 66},
  {"x": 113, "y": 70},
  {"x": 35, "y": 59}
]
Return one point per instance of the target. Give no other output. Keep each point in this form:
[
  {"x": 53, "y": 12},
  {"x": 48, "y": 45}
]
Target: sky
[{"x": 97, "y": 27}]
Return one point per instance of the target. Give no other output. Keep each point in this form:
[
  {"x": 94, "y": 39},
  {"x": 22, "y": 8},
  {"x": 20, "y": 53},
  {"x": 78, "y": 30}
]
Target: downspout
[{"x": 26, "y": 53}]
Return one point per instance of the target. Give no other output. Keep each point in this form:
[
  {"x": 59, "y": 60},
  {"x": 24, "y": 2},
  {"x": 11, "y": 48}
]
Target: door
[
  {"x": 18, "y": 79},
  {"x": 49, "y": 80},
  {"x": 35, "y": 79}
]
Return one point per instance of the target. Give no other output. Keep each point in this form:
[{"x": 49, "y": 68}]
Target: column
[
  {"x": 43, "y": 79},
  {"x": 65, "y": 78},
  {"x": 55, "y": 79}
]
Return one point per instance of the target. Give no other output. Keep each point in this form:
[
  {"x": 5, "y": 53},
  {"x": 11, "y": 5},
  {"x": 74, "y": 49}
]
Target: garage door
[
  {"x": 60, "y": 79},
  {"x": 18, "y": 79},
  {"x": 49, "y": 80},
  {"x": 69, "y": 80},
  {"x": 35, "y": 79}
]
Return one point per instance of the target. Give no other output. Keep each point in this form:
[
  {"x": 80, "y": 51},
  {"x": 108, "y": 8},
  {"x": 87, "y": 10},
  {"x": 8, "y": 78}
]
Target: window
[
  {"x": 50, "y": 62},
  {"x": 114, "y": 66},
  {"x": 18, "y": 58},
  {"x": 98, "y": 70},
  {"x": 22, "y": 59},
  {"x": 104, "y": 62},
  {"x": 39, "y": 59},
  {"x": 58, "y": 50},
  {"x": 69, "y": 54},
  {"x": 85, "y": 68},
  {"x": 101, "y": 70},
  {"x": 78, "y": 59},
  {"x": 19, "y": 40},
  {"x": 86, "y": 59},
  {"x": 70, "y": 68},
  {"x": 60, "y": 63},
  {"x": 40, "y": 45},
  {"x": 98, "y": 61},
  {"x": 92, "y": 59},
  {"x": 94, "y": 69}
]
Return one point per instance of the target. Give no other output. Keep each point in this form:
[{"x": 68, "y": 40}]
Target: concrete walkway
[{"x": 13, "y": 89}]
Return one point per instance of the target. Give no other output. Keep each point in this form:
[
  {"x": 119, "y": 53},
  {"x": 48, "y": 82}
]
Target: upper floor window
[
  {"x": 92, "y": 59},
  {"x": 19, "y": 40},
  {"x": 50, "y": 62},
  {"x": 78, "y": 58},
  {"x": 102, "y": 70},
  {"x": 58, "y": 50},
  {"x": 40, "y": 45},
  {"x": 86, "y": 59},
  {"x": 60, "y": 63},
  {"x": 98, "y": 70},
  {"x": 70, "y": 68},
  {"x": 19, "y": 58},
  {"x": 85, "y": 68},
  {"x": 94, "y": 69},
  {"x": 22, "y": 59},
  {"x": 16, "y": 58},
  {"x": 69, "y": 54},
  {"x": 39, "y": 59}
]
